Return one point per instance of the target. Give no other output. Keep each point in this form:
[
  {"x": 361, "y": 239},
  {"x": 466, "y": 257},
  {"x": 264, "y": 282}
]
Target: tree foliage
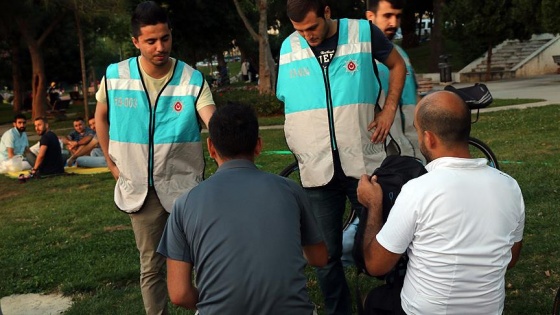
[
  {"x": 479, "y": 25},
  {"x": 550, "y": 12}
]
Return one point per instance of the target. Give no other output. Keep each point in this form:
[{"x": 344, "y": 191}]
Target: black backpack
[{"x": 392, "y": 174}]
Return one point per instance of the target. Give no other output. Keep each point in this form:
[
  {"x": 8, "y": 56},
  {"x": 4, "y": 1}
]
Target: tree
[
  {"x": 436, "y": 38},
  {"x": 550, "y": 10},
  {"x": 86, "y": 9},
  {"x": 10, "y": 35},
  {"x": 479, "y": 27},
  {"x": 36, "y": 23},
  {"x": 267, "y": 68}
]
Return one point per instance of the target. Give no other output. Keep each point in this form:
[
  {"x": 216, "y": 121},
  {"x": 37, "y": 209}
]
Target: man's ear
[
  {"x": 327, "y": 13},
  {"x": 211, "y": 149},
  {"x": 431, "y": 141},
  {"x": 258, "y": 147},
  {"x": 370, "y": 15},
  {"x": 135, "y": 42}
]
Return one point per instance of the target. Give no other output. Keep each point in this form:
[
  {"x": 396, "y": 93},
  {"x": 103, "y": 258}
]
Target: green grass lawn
[{"x": 63, "y": 234}]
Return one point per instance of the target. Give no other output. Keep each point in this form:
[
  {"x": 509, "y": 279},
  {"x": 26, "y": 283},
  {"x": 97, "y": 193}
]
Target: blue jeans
[
  {"x": 328, "y": 204},
  {"x": 95, "y": 159}
]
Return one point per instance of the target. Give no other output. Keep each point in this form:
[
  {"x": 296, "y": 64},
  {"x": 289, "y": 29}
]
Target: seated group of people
[
  {"x": 47, "y": 156},
  {"x": 83, "y": 146}
]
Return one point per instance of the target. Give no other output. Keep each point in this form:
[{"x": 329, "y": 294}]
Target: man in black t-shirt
[{"x": 49, "y": 160}]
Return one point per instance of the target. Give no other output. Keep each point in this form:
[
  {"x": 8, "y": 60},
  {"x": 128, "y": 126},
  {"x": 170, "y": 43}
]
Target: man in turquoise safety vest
[
  {"x": 386, "y": 14},
  {"x": 327, "y": 82},
  {"x": 147, "y": 125}
]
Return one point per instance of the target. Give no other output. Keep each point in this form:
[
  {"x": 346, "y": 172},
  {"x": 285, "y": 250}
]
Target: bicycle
[
  {"x": 556, "y": 305},
  {"x": 292, "y": 171},
  {"x": 477, "y": 96}
]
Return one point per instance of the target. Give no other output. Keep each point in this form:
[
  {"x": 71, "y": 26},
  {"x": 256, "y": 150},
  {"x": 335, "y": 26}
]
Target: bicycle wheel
[
  {"x": 292, "y": 171},
  {"x": 556, "y": 305},
  {"x": 479, "y": 149}
]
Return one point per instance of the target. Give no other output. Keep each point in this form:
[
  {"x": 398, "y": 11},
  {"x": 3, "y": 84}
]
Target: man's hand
[
  {"x": 370, "y": 193},
  {"x": 381, "y": 125},
  {"x": 114, "y": 170}
]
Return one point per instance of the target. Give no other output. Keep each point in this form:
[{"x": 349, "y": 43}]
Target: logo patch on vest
[
  {"x": 351, "y": 66},
  {"x": 178, "y": 107}
]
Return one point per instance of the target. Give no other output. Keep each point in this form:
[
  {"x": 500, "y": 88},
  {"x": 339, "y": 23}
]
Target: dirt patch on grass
[
  {"x": 117, "y": 228},
  {"x": 34, "y": 304}
]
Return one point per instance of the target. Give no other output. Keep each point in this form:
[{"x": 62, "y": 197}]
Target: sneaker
[{"x": 70, "y": 162}]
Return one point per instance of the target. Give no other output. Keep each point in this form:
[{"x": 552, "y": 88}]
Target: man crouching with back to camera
[
  {"x": 247, "y": 233},
  {"x": 461, "y": 223}
]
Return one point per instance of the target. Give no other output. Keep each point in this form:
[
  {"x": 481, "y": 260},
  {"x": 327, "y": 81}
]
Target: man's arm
[
  {"x": 40, "y": 158},
  {"x": 206, "y": 112},
  {"x": 102, "y": 128},
  {"x": 10, "y": 152},
  {"x": 85, "y": 140},
  {"x": 378, "y": 260},
  {"x": 316, "y": 254},
  {"x": 515, "y": 253},
  {"x": 179, "y": 283},
  {"x": 382, "y": 121}
]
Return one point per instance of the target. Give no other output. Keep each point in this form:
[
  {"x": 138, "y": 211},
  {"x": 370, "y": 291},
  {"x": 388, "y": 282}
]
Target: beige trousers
[{"x": 148, "y": 224}]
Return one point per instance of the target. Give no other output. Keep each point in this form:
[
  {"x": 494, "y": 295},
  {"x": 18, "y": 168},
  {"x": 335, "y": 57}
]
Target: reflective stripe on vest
[
  {"x": 153, "y": 145},
  {"x": 342, "y": 99}
]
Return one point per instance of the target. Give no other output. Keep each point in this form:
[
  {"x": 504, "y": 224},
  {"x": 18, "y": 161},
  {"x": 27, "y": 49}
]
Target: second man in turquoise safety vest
[
  {"x": 386, "y": 14},
  {"x": 327, "y": 82}
]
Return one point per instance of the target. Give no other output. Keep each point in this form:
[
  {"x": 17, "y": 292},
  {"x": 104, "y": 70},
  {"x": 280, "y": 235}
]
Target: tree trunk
[
  {"x": 436, "y": 40},
  {"x": 82, "y": 61},
  {"x": 16, "y": 76},
  {"x": 38, "y": 81},
  {"x": 408, "y": 27},
  {"x": 488, "y": 76},
  {"x": 38, "y": 78},
  {"x": 267, "y": 69}
]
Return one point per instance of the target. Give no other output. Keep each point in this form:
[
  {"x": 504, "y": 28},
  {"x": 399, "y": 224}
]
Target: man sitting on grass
[
  {"x": 95, "y": 157},
  {"x": 14, "y": 141},
  {"x": 77, "y": 140},
  {"x": 49, "y": 160},
  {"x": 245, "y": 231}
]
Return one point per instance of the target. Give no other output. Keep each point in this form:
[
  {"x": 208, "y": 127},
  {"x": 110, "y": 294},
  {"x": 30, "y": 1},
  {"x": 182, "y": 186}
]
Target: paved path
[{"x": 542, "y": 87}]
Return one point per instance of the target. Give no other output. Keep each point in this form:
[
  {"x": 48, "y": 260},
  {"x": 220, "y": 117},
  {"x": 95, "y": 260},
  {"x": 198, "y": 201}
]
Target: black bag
[
  {"x": 476, "y": 96},
  {"x": 392, "y": 174}
]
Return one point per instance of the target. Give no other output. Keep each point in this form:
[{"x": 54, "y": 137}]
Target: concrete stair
[{"x": 511, "y": 56}]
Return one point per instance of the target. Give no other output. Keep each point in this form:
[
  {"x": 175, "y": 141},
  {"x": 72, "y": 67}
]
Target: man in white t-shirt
[
  {"x": 147, "y": 121},
  {"x": 461, "y": 223}
]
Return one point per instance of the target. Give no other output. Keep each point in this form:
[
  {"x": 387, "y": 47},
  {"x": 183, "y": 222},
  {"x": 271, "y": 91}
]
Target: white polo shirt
[{"x": 458, "y": 223}]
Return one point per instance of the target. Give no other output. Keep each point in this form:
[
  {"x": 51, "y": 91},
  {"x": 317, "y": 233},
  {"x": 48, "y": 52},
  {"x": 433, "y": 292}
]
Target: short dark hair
[
  {"x": 43, "y": 119},
  {"x": 452, "y": 127},
  {"x": 79, "y": 119},
  {"x": 19, "y": 116},
  {"x": 395, "y": 4},
  {"x": 147, "y": 13},
  {"x": 234, "y": 130},
  {"x": 298, "y": 9}
]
